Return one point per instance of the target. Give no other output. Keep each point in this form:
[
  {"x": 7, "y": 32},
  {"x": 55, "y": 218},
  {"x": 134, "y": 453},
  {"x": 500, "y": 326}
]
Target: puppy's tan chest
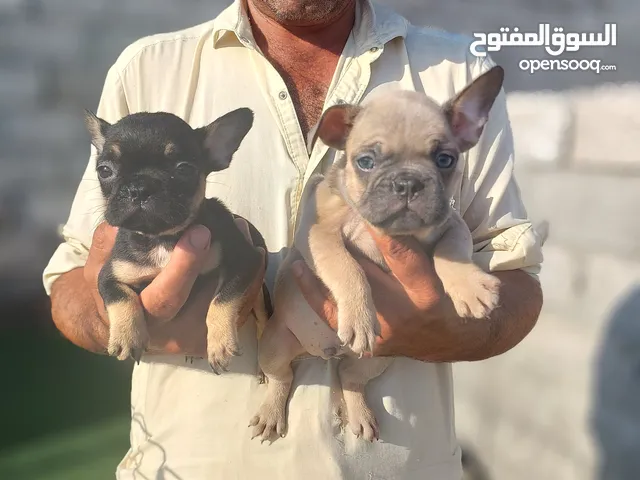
[
  {"x": 159, "y": 257},
  {"x": 133, "y": 273},
  {"x": 358, "y": 238}
]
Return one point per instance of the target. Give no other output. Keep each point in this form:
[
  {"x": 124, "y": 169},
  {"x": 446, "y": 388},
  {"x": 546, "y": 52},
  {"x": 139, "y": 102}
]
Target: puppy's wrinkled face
[
  {"x": 152, "y": 167},
  {"x": 402, "y": 149}
]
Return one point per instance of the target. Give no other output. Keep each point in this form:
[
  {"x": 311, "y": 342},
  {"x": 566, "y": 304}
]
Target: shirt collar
[{"x": 375, "y": 26}]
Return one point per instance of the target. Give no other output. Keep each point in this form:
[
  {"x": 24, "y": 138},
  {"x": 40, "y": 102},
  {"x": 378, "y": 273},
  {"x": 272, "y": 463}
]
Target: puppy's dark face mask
[
  {"x": 401, "y": 152},
  {"x": 152, "y": 167}
]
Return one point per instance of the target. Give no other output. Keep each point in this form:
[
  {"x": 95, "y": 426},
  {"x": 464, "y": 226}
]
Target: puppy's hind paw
[
  {"x": 363, "y": 424},
  {"x": 269, "y": 423}
]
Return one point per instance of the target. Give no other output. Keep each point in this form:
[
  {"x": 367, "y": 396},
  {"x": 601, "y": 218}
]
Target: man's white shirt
[{"x": 190, "y": 424}]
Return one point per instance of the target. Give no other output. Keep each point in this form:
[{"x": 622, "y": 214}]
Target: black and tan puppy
[
  {"x": 152, "y": 169},
  {"x": 401, "y": 151}
]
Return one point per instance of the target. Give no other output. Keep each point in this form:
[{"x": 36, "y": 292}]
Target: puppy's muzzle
[{"x": 406, "y": 186}]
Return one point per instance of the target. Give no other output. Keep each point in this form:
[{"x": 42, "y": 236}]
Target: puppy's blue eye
[
  {"x": 445, "y": 161},
  {"x": 365, "y": 163},
  {"x": 104, "y": 171}
]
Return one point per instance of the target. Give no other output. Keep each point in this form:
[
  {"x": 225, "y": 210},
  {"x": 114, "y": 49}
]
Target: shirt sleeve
[
  {"x": 490, "y": 199},
  {"x": 87, "y": 207}
]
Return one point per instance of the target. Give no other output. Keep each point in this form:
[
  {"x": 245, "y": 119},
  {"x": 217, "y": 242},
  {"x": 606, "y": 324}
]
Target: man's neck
[
  {"x": 330, "y": 34},
  {"x": 305, "y": 56}
]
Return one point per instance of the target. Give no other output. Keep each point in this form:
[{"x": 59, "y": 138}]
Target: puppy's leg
[
  {"x": 358, "y": 323},
  {"x": 354, "y": 375},
  {"x": 277, "y": 349},
  {"x": 222, "y": 329},
  {"x": 260, "y": 312},
  {"x": 128, "y": 336},
  {"x": 262, "y": 316},
  {"x": 474, "y": 293},
  {"x": 224, "y": 311}
]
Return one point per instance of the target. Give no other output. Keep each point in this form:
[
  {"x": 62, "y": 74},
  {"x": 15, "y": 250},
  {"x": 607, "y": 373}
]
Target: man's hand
[
  {"x": 163, "y": 299},
  {"x": 408, "y": 300},
  {"x": 417, "y": 318}
]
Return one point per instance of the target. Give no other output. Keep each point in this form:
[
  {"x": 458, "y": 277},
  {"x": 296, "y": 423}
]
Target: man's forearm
[
  {"x": 458, "y": 339},
  {"x": 74, "y": 312}
]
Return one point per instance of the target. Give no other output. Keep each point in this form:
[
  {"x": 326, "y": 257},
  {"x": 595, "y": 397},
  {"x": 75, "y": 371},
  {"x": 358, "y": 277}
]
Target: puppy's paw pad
[
  {"x": 269, "y": 423},
  {"x": 477, "y": 295},
  {"x": 219, "y": 353},
  {"x": 363, "y": 424},
  {"x": 125, "y": 343}
]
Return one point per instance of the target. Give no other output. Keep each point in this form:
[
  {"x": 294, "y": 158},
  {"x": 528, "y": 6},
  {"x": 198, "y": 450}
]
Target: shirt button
[
  {"x": 340, "y": 101},
  {"x": 282, "y": 95},
  {"x": 373, "y": 49}
]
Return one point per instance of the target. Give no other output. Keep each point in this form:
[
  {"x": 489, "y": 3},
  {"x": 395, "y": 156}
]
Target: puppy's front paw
[
  {"x": 220, "y": 349},
  {"x": 358, "y": 329},
  {"x": 474, "y": 293},
  {"x": 128, "y": 340},
  {"x": 270, "y": 422}
]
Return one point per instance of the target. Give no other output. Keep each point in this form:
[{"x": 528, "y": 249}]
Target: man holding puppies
[{"x": 289, "y": 60}]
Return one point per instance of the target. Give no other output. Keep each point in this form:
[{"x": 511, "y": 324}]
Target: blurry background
[{"x": 564, "y": 405}]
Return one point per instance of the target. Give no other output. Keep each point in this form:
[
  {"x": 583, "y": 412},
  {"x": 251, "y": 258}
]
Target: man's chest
[{"x": 308, "y": 83}]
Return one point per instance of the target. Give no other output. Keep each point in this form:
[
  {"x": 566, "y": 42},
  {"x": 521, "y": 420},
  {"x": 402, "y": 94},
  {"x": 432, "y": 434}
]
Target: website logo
[{"x": 555, "y": 42}]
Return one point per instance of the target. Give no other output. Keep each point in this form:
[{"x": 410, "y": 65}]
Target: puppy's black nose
[
  {"x": 139, "y": 193},
  {"x": 406, "y": 186}
]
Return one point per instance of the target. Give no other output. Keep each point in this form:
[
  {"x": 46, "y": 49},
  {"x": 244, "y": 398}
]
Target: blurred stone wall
[
  {"x": 541, "y": 410},
  {"x": 526, "y": 413},
  {"x": 54, "y": 55}
]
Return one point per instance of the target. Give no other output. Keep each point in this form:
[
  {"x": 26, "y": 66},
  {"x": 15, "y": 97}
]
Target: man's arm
[
  {"x": 75, "y": 314},
  {"x": 418, "y": 320},
  {"x": 440, "y": 334},
  {"x": 78, "y": 311}
]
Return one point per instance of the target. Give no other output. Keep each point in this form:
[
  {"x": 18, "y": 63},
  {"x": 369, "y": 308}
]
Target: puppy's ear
[
  {"x": 336, "y": 124},
  {"x": 468, "y": 112},
  {"x": 222, "y": 138},
  {"x": 97, "y": 128}
]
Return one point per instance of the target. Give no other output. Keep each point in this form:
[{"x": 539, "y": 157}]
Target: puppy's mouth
[
  {"x": 150, "y": 217},
  {"x": 403, "y": 221}
]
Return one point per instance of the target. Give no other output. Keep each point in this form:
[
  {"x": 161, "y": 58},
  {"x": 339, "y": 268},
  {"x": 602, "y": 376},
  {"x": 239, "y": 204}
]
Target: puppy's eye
[
  {"x": 186, "y": 169},
  {"x": 365, "y": 163},
  {"x": 445, "y": 161},
  {"x": 104, "y": 171}
]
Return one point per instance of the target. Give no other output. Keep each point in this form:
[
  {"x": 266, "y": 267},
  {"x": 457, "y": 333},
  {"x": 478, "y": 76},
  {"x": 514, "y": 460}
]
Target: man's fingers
[
  {"x": 315, "y": 293},
  {"x": 409, "y": 264},
  {"x": 104, "y": 237},
  {"x": 168, "y": 292},
  {"x": 102, "y": 242}
]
